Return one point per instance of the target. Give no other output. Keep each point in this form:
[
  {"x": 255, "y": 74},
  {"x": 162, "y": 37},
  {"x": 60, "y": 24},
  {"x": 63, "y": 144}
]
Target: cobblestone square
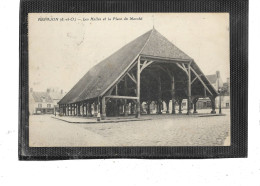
[{"x": 163, "y": 130}]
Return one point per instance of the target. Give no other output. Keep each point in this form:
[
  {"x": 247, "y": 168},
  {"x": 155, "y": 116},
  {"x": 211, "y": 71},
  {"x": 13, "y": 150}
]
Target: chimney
[
  {"x": 218, "y": 74},
  {"x": 31, "y": 90},
  {"x": 48, "y": 90},
  {"x": 61, "y": 91}
]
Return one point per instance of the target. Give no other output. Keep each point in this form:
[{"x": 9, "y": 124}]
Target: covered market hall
[{"x": 138, "y": 78}]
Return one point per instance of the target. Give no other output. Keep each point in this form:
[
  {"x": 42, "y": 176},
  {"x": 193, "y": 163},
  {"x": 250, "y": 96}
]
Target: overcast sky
[{"x": 61, "y": 52}]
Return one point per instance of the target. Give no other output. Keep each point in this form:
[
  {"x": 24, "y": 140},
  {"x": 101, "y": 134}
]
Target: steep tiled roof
[
  {"x": 98, "y": 79},
  {"x": 212, "y": 78},
  {"x": 42, "y": 97}
]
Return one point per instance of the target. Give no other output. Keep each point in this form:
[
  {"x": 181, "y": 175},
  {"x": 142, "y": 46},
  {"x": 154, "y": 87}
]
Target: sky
[{"x": 64, "y": 46}]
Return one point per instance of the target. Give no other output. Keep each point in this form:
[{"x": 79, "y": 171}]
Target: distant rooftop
[
  {"x": 212, "y": 78},
  {"x": 42, "y": 97}
]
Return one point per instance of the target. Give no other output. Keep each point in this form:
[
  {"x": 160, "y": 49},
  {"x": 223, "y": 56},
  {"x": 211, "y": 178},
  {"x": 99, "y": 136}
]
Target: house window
[
  {"x": 39, "y": 105},
  {"x": 48, "y": 105},
  {"x": 227, "y": 104}
]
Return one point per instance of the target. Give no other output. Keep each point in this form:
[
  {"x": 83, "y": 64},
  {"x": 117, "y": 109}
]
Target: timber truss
[{"x": 148, "y": 79}]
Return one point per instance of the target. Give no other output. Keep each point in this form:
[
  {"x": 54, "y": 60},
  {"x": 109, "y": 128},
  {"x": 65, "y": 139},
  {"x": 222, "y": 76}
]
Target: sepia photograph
[{"x": 129, "y": 79}]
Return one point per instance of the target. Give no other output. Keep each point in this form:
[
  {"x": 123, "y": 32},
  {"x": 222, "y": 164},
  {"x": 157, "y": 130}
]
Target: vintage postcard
[{"x": 129, "y": 79}]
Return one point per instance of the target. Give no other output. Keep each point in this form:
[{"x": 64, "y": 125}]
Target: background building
[
  {"x": 44, "y": 102},
  {"x": 223, "y": 89},
  {"x": 56, "y": 95},
  {"x": 40, "y": 103}
]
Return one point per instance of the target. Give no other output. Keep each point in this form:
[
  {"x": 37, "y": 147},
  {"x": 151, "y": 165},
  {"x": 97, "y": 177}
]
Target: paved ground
[
  {"x": 93, "y": 120},
  {"x": 164, "y": 130}
]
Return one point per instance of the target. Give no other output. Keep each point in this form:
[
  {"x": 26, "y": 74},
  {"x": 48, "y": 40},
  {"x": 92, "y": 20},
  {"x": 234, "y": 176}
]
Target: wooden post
[
  {"x": 125, "y": 108},
  {"x": 87, "y": 109},
  {"x": 78, "y": 109},
  {"x": 173, "y": 95},
  {"x": 148, "y": 107},
  {"x": 159, "y": 95},
  {"x": 99, "y": 109},
  {"x": 95, "y": 108},
  {"x": 103, "y": 105},
  {"x": 116, "y": 102},
  {"x": 131, "y": 108},
  {"x": 179, "y": 103},
  {"x": 83, "y": 109},
  {"x": 189, "y": 91},
  {"x": 125, "y": 101},
  {"x": 138, "y": 75},
  {"x": 167, "y": 106},
  {"x": 213, "y": 105},
  {"x": 90, "y": 109}
]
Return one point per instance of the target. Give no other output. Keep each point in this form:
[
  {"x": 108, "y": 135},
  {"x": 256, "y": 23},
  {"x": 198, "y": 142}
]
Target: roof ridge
[
  {"x": 148, "y": 39},
  {"x": 130, "y": 63}
]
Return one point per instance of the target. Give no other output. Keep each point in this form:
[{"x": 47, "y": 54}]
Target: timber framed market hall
[{"x": 150, "y": 69}]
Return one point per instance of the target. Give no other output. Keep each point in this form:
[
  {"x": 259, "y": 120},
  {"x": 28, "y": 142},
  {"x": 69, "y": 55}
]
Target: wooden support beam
[
  {"x": 145, "y": 64},
  {"x": 83, "y": 104},
  {"x": 132, "y": 78},
  {"x": 103, "y": 112},
  {"x": 125, "y": 101},
  {"x": 107, "y": 99},
  {"x": 180, "y": 104},
  {"x": 138, "y": 75},
  {"x": 116, "y": 103},
  {"x": 181, "y": 67},
  {"x": 173, "y": 95},
  {"x": 184, "y": 67},
  {"x": 213, "y": 106},
  {"x": 121, "y": 97},
  {"x": 205, "y": 86},
  {"x": 167, "y": 106},
  {"x": 164, "y": 60},
  {"x": 194, "y": 80},
  {"x": 159, "y": 95},
  {"x": 189, "y": 90},
  {"x": 88, "y": 109}
]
